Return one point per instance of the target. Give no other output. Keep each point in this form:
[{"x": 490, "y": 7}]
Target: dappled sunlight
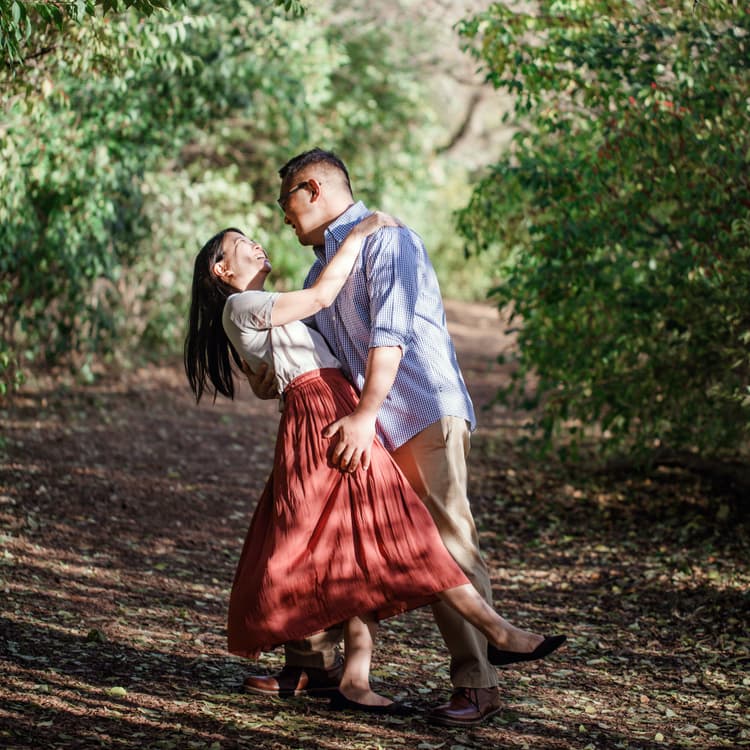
[
  {"x": 106, "y": 715},
  {"x": 115, "y": 575}
]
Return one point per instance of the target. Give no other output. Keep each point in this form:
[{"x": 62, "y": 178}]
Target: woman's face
[{"x": 245, "y": 264}]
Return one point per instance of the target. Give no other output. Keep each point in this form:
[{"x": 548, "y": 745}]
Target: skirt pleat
[{"x": 325, "y": 545}]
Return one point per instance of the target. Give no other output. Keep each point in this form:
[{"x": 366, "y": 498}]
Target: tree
[
  {"x": 624, "y": 211},
  {"x": 129, "y": 138}
]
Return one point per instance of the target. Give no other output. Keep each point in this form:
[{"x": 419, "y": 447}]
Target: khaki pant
[{"x": 434, "y": 462}]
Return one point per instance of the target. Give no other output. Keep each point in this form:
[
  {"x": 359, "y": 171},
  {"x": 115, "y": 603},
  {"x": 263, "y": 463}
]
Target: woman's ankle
[{"x": 353, "y": 685}]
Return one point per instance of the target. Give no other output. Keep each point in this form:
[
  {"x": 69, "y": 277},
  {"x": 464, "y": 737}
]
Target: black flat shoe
[
  {"x": 498, "y": 657},
  {"x": 339, "y": 702}
]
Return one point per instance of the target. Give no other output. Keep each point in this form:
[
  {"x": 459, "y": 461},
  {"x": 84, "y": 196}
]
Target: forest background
[
  {"x": 579, "y": 171},
  {"x": 583, "y": 163}
]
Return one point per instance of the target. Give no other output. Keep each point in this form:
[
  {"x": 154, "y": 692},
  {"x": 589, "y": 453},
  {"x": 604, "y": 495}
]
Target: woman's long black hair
[{"x": 208, "y": 353}]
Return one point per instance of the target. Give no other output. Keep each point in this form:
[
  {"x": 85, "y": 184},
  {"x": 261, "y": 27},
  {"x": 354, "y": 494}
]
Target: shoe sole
[{"x": 446, "y": 722}]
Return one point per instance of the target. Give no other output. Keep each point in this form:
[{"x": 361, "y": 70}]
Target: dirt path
[{"x": 122, "y": 511}]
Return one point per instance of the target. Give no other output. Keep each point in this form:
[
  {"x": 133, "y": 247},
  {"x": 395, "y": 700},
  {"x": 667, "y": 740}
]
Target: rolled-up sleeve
[{"x": 392, "y": 274}]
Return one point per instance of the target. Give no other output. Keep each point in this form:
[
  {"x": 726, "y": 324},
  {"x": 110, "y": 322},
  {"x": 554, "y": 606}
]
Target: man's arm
[
  {"x": 356, "y": 431},
  {"x": 393, "y": 289}
]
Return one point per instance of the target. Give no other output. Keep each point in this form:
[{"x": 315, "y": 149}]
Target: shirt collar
[{"x": 339, "y": 228}]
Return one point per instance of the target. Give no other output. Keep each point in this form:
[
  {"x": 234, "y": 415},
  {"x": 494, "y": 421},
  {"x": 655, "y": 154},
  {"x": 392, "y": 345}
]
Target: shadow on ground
[{"x": 122, "y": 511}]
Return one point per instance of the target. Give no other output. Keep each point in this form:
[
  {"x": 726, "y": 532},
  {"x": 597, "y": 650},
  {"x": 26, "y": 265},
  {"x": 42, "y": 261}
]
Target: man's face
[{"x": 301, "y": 212}]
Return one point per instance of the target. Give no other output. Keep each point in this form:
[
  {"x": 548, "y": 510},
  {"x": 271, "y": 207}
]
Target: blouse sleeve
[{"x": 250, "y": 310}]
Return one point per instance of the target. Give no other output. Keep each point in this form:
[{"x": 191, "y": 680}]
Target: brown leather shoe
[
  {"x": 295, "y": 681},
  {"x": 466, "y": 707}
]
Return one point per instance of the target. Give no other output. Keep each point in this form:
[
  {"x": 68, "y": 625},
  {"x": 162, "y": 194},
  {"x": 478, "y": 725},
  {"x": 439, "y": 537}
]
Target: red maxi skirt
[{"x": 325, "y": 545}]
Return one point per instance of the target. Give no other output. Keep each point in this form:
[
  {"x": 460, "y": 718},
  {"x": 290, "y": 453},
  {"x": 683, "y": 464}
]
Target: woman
[{"x": 324, "y": 546}]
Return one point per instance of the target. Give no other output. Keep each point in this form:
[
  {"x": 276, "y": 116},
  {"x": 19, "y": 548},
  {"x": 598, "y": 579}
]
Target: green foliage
[
  {"x": 623, "y": 212},
  {"x": 24, "y": 24},
  {"x": 134, "y": 138}
]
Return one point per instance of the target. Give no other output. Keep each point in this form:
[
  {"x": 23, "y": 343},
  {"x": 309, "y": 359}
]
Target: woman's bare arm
[{"x": 290, "y": 306}]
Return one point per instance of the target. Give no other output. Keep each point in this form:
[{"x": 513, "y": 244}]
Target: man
[{"x": 388, "y": 328}]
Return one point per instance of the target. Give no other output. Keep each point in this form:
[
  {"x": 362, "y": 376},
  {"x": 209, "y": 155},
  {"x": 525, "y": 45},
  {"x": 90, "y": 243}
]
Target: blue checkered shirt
[{"x": 392, "y": 298}]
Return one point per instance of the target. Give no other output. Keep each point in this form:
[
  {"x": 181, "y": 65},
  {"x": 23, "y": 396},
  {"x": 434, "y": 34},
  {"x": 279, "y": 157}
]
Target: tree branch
[{"x": 464, "y": 126}]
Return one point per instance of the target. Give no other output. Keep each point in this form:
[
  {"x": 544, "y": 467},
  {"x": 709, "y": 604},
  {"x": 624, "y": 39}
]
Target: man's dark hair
[{"x": 314, "y": 156}]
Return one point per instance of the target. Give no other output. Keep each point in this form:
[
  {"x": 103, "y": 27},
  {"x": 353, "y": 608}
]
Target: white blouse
[{"x": 291, "y": 349}]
